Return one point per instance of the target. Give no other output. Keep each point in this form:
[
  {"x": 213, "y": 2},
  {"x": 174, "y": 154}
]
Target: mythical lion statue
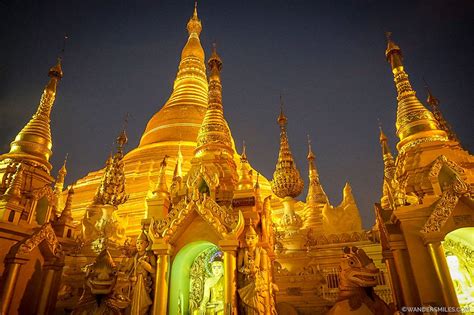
[
  {"x": 357, "y": 281},
  {"x": 101, "y": 295}
]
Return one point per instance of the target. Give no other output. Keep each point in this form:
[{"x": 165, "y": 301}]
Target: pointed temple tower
[
  {"x": 31, "y": 240},
  {"x": 175, "y": 126},
  {"x": 426, "y": 211},
  {"x": 185, "y": 224},
  {"x": 287, "y": 183}
]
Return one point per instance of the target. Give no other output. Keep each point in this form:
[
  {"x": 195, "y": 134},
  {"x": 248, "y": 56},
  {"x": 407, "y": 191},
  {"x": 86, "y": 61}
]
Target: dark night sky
[{"x": 326, "y": 58}]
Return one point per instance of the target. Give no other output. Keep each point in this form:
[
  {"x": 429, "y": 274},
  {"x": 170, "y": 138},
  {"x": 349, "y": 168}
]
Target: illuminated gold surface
[
  {"x": 181, "y": 116},
  {"x": 286, "y": 180},
  {"x": 414, "y": 121},
  {"x": 34, "y": 140}
]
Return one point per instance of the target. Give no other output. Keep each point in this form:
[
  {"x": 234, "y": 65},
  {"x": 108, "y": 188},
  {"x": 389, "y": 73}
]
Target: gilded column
[
  {"x": 444, "y": 277},
  {"x": 405, "y": 273},
  {"x": 49, "y": 284},
  {"x": 13, "y": 265},
  {"x": 163, "y": 252},
  {"x": 229, "y": 248}
]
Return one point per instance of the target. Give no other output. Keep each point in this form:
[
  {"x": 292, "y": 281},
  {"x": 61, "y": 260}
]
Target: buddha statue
[
  {"x": 142, "y": 269},
  {"x": 253, "y": 280},
  {"x": 212, "y": 302}
]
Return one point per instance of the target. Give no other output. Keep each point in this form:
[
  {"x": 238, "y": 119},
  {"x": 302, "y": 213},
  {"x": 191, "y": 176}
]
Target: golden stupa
[
  {"x": 181, "y": 224},
  {"x": 175, "y": 126}
]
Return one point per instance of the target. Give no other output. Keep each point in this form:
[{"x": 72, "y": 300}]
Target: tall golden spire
[
  {"x": 34, "y": 142},
  {"x": 415, "y": 123},
  {"x": 181, "y": 116},
  {"x": 214, "y": 133},
  {"x": 316, "y": 194},
  {"x": 286, "y": 180},
  {"x": 388, "y": 161},
  {"x": 443, "y": 124}
]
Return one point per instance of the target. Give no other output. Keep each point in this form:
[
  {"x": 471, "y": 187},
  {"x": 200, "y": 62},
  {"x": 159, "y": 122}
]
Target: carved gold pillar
[
  {"x": 49, "y": 284},
  {"x": 229, "y": 248},
  {"x": 163, "y": 252},
  {"x": 13, "y": 266},
  {"x": 405, "y": 274},
  {"x": 442, "y": 271}
]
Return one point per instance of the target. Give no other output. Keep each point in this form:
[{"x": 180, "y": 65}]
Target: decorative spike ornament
[
  {"x": 34, "y": 141},
  {"x": 214, "y": 134},
  {"x": 286, "y": 180},
  {"x": 316, "y": 194},
  {"x": 415, "y": 124},
  {"x": 161, "y": 187},
  {"x": 245, "y": 179}
]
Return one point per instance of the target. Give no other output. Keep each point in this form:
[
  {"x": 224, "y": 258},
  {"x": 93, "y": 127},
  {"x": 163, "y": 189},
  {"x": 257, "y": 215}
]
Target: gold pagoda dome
[{"x": 181, "y": 116}]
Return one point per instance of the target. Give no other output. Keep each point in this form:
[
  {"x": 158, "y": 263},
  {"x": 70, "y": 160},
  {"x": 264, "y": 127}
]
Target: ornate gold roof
[
  {"x": 181, "y": 116},
  {"x": 34, "y": 141},
  {"x": 414, "y": 123},
  {"x": 214, "y": 133},
  {"x": 286, "y": 180}
]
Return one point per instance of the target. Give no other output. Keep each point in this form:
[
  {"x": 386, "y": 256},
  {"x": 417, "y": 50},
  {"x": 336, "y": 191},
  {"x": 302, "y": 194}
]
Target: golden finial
[
  {"x": 414, "y": 123},
  {"x": 383, "y": 141},
  {"x": 282, "y": 120},
  {"x": 66, "y": 214},
  {"x": 34, "y": 141},
  {"x": 286, "y": 180},
  {"x": 245, "y": 179},
  {"x": 310, "y": 150},
  {"x": 179, "y": 163},
  {"x": 194, "y": 24},
  {"x": 161, "y": 187},
  {"x": 316, "y": 194},
  {"x": 388, "y": 161},
  {"x": 63, "y": 169},
  {"x": 243, "y": 156},
  {"x": 214, "y": 133},
  {"x": 257, "y": 184}
]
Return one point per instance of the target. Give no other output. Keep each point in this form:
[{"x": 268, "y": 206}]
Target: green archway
[{"x": 180, "y": 270}]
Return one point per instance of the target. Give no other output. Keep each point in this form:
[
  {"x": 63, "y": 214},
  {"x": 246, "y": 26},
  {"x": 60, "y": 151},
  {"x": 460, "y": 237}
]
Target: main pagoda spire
[
  {"x": 181, "y": 116},
  {"x": 34, "y": 141},
  {"x": 414, "y": 123}
]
